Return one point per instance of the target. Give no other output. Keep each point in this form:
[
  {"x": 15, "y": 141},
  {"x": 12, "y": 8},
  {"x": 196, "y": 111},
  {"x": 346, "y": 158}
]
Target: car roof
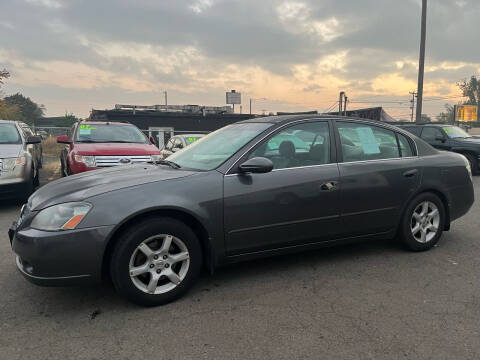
[
  {"x": 8, "y": 122},
  {"x": 425, "y": 124},
  {"x": 105, "y": 123},
  {"x": 190, "y": 135}
]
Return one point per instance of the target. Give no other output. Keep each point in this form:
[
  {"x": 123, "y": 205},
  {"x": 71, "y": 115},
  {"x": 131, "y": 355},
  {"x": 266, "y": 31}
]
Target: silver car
[
  {"x": 18, "y": 161},
  {"x": 178, "y": 142}
]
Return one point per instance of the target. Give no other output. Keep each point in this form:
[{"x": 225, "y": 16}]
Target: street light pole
[{"x": 421, "y": 65}]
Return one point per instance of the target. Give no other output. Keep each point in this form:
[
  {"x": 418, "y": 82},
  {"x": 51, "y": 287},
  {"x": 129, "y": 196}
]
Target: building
[{"x": 162, "y": 122}]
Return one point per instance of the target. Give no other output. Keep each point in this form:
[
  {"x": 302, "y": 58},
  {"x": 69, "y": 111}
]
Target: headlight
[
  {"x": 10, "y": 163},
  {"x": 156, "y": 158},
  {"x": 89, "y": 161},
  {"x": 61, "y": 217}
]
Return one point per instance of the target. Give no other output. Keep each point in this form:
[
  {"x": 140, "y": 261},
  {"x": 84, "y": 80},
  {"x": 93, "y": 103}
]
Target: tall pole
[
  {"x": 340, "y": 103},
  {"x": 345, "y": 107},
  {"x": 421, "y": 65},
  {"x": 166, "y": 103},
  {"x": 413, "y": 93},
  {"x": 250, "y": 106}
]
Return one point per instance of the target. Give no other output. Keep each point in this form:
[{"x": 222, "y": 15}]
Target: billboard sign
[
  {"x": 234, "y": 97},
  {"x": 466, "y": 113}
]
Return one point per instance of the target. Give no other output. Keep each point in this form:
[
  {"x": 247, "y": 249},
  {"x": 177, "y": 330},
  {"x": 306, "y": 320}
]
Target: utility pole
[
  {"x": 345, "y": 107},
  {"x": 166, "y": 103},
  {"x": 340, "y": 102},
  {"x": 421, "y": 65},
  {"x": 250, "y": 106},
  {"x": 413, "y": 93}
]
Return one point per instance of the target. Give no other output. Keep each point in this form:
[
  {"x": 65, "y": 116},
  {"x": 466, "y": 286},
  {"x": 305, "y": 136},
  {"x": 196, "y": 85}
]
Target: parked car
[
  {"x": 178, "y": 142},
  {"x": 96, "y": 145},
  {"x": 38, "y": 149},
  {"x": 18, "y": 162},
  {"x": 450, "y": 138},
  {"x": 239, "y": 193}
]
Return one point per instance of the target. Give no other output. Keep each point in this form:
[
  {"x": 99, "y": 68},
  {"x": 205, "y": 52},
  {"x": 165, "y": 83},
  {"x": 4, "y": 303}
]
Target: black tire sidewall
[
  {"x": 407, "y": 238},
  {"x": 128, "y": 243}
]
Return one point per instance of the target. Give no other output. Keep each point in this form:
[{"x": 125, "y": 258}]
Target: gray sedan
[
  {"x": 20, "y": 161},
  {"x": 257, "y": 188}
]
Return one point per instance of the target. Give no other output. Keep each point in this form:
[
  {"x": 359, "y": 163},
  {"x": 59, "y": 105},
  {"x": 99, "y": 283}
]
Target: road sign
[
  {"x": 234, "y": 97},
  {"x": 466, "y": 113}
]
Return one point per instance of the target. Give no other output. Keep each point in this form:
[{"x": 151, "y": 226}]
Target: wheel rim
[
  {"x": 425, "y": 221},
  {"x": 159, "y": 264}
]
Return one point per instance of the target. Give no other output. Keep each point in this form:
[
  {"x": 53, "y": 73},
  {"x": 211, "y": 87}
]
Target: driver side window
[{"x": 305, "y": 144}]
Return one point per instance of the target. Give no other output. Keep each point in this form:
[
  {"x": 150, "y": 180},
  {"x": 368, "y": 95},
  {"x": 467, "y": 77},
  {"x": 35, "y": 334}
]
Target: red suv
[{"x": 96, "y": 145}]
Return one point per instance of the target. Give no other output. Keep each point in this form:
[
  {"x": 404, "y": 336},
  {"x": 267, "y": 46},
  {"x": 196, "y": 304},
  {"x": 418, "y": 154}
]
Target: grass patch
[{"x": 51, "y": 148}]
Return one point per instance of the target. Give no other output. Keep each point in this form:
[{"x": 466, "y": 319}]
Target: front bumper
[
  {"x": 60, "y": 258},
  {"x": 13, "y": 183}
]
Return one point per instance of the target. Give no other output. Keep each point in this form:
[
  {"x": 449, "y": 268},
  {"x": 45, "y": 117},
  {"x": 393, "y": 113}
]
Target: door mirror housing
[
  {"x": 34, "y": 140},
  {"x": 440, "y": 138},
  {"x": 256, "y": 165},
  {"x": 63, "y": 139}
]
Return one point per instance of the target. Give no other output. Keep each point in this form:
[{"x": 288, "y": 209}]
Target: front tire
[
  {"x": 423, "y": 222},
  {"x": 156, "y": 261}
]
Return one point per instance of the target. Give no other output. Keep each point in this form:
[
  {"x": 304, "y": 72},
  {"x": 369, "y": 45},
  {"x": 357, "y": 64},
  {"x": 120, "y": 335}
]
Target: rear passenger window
[
  {"x": 362, "y": 142},
  {"x": 405, "y": 147}
]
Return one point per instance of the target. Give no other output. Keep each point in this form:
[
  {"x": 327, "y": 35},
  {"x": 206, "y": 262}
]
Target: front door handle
[
  {"x": 329, "y": 186},
  {"x": 410, "y": 173}
]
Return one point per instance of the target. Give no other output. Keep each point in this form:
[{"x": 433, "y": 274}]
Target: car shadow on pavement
[{"x": 236, "y": 278}]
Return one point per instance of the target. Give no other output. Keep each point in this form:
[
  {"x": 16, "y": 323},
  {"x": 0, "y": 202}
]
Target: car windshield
[
  {"x": 103, "y": 133},
  {"x": 455, "y": 132},
  {"x": 9, "y": 134},
  {"x": 212, "y": 150}
]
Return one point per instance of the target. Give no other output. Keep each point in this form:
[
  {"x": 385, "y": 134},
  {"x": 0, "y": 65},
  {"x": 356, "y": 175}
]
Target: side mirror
[
  {"x": 152, "y": 140},
  {"x": 63, "y": 139},
  {"x": 440, "y": 138},
  {"x": 34, "y": 140},
  {"x": 257, "y": 165}
]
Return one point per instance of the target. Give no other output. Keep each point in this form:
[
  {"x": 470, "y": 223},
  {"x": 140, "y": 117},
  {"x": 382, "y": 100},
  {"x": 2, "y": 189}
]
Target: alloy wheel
[
  {"x": 425, "y": 222},
  {"x": 159, "y": 264}
]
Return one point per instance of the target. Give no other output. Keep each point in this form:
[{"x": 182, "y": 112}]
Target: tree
[
  {"x": 426, "y": 118},
  {"x": 447, "y": 116},
  {"x": 4, "y": 74},
  {"x": 9, "y": 112},
  {"x": 29, "y": 110},
  {"x": 471, "y": 89}
]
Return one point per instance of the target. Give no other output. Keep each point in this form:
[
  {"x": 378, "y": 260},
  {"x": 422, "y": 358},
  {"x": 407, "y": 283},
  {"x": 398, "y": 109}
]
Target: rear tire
[
  {"x": 156, "y": 261},
  {"x": 423, "y": 222}
]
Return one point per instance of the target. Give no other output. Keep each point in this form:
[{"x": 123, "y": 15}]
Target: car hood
[
  {"x": 82, "y": 186},
  {"x": 115, "y": 149},
  {"x": 10, "y": 150},
  {"x": 473, "y": 141}
]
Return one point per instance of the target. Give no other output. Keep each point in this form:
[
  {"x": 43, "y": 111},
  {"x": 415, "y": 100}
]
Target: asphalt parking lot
[{"x": 364, "y": 301}]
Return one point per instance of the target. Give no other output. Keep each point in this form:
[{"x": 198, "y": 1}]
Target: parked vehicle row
[
  {"x": 96, "y": 145},
  {"x": 20, "y": 160},
  {"x": 449, "y": 138},
  {"x": 260, "y": 187}
]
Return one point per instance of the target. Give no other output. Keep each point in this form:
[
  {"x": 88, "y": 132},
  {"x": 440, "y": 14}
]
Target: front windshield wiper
[{"x": 169, "y": 163}]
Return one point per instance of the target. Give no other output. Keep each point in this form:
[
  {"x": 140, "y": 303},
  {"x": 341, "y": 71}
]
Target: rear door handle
[
  {"x": 410, "y": 173},
  {"x": 329, "y": 186}
]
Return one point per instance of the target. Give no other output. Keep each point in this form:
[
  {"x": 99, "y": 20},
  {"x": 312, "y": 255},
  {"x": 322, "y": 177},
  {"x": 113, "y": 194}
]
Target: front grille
[{"x": 106, "y": 161}]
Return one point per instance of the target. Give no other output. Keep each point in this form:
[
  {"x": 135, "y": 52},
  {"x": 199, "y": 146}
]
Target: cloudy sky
[{"x": 74, "y": 55}]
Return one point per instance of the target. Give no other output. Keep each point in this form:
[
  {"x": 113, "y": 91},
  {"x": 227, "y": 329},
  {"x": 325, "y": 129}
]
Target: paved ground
[{"x": 366, "y": 301}]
